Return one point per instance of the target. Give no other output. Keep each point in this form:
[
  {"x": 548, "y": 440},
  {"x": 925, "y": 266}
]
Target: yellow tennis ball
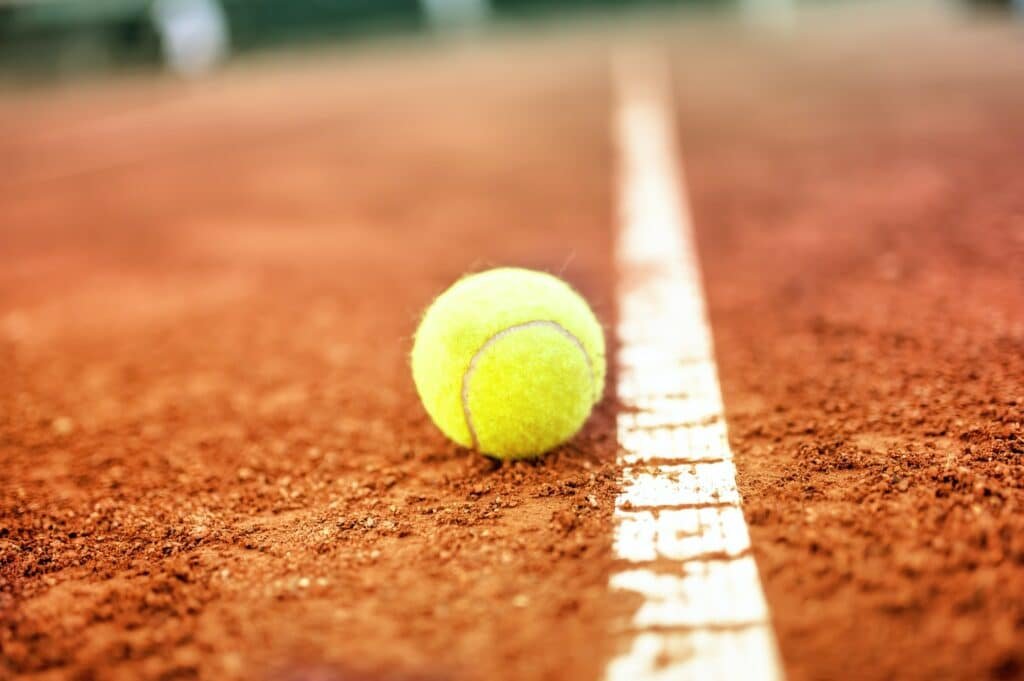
[{"x": 509, "y": 362}]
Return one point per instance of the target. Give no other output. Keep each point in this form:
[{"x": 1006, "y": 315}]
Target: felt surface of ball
[{"x": 509, "y": 362}]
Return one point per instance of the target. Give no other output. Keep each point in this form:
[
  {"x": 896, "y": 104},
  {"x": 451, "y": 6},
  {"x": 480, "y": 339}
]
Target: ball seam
[{"x": 471, "y": 368}]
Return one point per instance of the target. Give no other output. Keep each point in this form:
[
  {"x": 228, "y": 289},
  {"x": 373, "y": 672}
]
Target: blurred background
[{"x": 50, "y": 39}]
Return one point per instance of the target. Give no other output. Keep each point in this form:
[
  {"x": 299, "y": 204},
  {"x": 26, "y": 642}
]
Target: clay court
[{"x": 213, "y": 460}]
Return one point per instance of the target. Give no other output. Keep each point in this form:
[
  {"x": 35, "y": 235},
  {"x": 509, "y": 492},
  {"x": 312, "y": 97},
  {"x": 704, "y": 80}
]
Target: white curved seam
[{"x": 495, "y": 338}]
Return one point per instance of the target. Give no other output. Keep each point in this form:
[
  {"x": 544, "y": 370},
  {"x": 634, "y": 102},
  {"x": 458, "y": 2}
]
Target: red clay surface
[
  {"x": 213, "y": 461},
  {"x": 859, "y": 199}
]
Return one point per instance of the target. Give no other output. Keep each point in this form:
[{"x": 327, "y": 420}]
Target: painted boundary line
[{"x": 678, "y": 521}]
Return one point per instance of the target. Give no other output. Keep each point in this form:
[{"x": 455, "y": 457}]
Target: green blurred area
[{"x": 43, "y": 38}]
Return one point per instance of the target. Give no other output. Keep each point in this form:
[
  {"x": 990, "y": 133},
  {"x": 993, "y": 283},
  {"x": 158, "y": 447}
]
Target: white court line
[{"x": 678, "y": 521}]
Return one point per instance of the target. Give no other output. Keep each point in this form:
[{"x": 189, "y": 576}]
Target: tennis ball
[{"x": 509, "y": 362}]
